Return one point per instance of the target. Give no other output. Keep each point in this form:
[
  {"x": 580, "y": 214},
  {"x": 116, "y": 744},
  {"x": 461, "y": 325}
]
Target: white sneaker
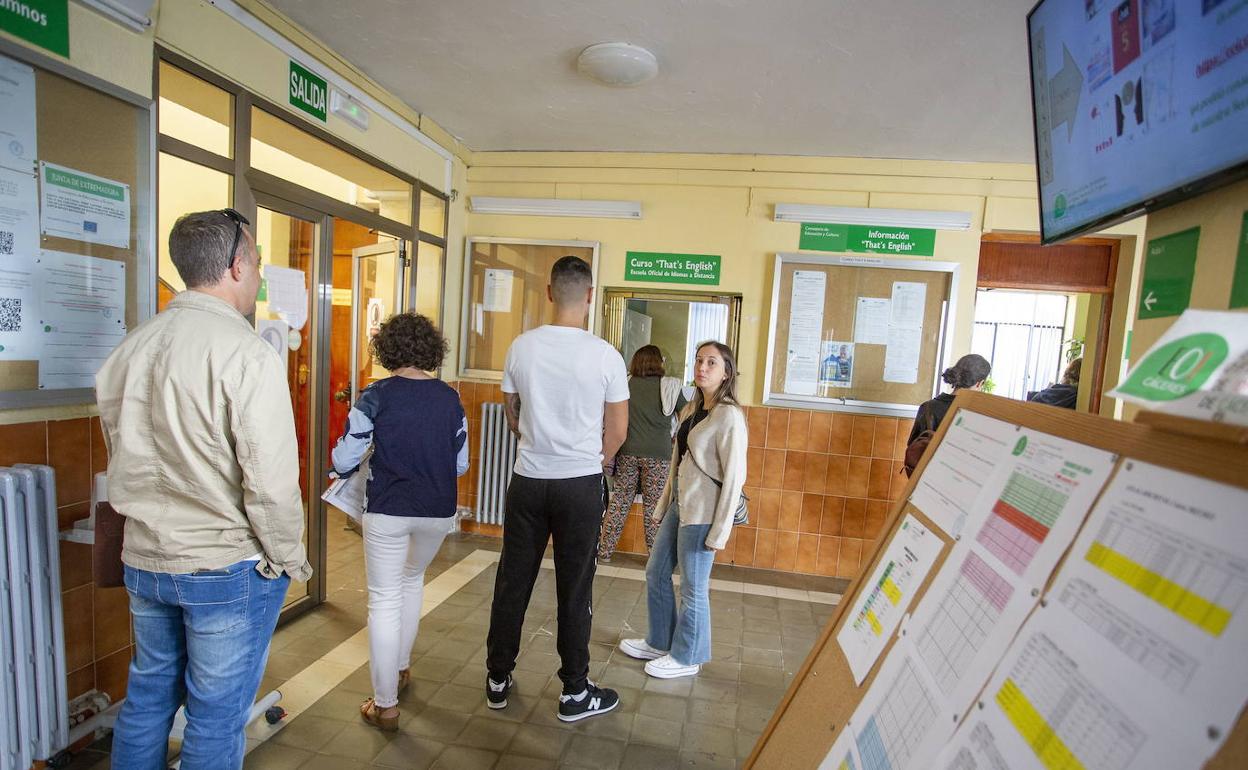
[
  {"x": 637, "y": 648},
  {"x": 666, "y": 667}
]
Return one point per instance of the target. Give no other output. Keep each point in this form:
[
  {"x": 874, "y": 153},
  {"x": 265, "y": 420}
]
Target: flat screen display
[{"x": 1138, "y": 104}]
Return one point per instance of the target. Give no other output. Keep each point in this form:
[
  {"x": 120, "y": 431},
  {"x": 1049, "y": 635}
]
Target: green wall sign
[
  {"x": 659, "y": 267},
  {"x": 868, "y": 239},
  {"x": 44, "y": 23},
  {"x": 1169, "y": 266},
  {"x": 1239, "y": 281},
  {"x": 308, "y": 91}
]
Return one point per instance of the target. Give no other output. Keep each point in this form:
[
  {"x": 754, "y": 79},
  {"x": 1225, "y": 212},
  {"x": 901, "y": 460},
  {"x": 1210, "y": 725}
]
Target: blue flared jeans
[{"x": 685, "y": 632}]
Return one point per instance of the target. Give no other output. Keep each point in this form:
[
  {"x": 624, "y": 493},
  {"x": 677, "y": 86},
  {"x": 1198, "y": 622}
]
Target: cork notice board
[
  {"x": 848, "y": 283},
  {"x": 823, "y": 696}
]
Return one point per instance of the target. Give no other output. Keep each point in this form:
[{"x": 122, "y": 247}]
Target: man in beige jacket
[{"x": 203, "y": 464}]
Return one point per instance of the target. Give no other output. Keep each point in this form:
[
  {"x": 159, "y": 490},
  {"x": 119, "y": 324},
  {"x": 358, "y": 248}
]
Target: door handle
[
  {"x": 303, "y": 374},
  {"x": 343, "y": 395}
]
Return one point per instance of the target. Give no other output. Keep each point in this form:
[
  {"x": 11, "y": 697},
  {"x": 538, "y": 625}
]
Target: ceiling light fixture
[
  {"x": 555, "y": 207},
  {"x": 844, "y": 215},
  {"x": 618, "y": 64}
]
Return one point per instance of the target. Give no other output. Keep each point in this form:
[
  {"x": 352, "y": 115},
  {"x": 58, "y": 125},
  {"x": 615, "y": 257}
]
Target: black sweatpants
[{"x": 569, "y": 511}]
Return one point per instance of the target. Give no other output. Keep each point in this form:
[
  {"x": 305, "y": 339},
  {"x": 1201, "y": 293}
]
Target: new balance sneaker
[
  {"x": 666, "y": 667},
  {"x": 591, "y": 702},
  {"x": 640, "y": 649},
  {"x": 496, "y": 692}
]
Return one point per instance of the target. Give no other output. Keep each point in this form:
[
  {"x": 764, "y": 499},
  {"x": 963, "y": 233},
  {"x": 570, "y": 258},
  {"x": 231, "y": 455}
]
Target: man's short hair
[
  {"x": 569, "y": 279},
  {"x": 199, "y": 245}
]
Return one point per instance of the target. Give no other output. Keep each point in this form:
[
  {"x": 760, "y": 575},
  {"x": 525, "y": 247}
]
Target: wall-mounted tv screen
[{"x": 1137, "y": 104}]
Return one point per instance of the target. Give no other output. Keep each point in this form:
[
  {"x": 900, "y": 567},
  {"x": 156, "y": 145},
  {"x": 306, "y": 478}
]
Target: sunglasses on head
[{"x": 239, "y": 220}]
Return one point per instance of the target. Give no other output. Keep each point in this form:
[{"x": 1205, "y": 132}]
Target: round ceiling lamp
[{"x": 618, "y": 64}]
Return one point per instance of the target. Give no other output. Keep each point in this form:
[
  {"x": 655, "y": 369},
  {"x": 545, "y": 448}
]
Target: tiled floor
[{"x": 761, "y": 635}]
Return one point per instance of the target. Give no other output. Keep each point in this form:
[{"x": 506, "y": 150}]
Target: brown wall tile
[
  {"x": 879, "y": 479},
  {"x": 80, "y": 681},
  {"x": 25, "y": 442},
  {"x": 833, "y": 516},
  {"x": 903, "y": 438},
  {"x": 77, "y": 615},
  {"x": 829, "y": 555},
  {"x": 75, "y": 565},
  {"x": 807, "y": 554},
  {"x": 799, "y": 429},
  {"x": 111, "y": 672},
  {"x": 863, "y": 436},
  {"x": 769, "y": 509},
  {"x": 112, "y": 621},
  {"x": 858, "y": 481},
  {"x": 765, "y": 549},
  {"x": 794, "y": 470},
  {"x": 877, "y": 512},
  {"x": 757, "y": 422},
  {"x": 777, "y": 428},
  {"x": 812, "y": 513},
  {"x": 885, "y": 437},
  {"x": 754, "y": 458},
  {"x": 815, "y": 475},
  {"x": 851, "y": 556},
  {"x": 899, "y": 481},
  {"x": 747, "y": 538},
  {"x": 69, "y": 454},
  {"x": 66, "y": 515},
  {"x": 790, "y": 511},
  {"x": 855, "y": 517},
  {"x": 786, "y": 551},
  {"x": 841, "y": 438},
  {"x": 99, "y": 450},
  {"x": 837, "y": 477},
  {"x": 820, "y": 432},
  {"x": 773, "y": 468}
]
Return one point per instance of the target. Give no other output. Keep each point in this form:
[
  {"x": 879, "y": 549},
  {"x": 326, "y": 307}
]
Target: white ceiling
[{"x": 866, "y": 78}]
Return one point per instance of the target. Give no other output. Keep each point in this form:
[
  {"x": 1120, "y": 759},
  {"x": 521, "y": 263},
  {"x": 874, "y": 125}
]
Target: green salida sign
[
  {"x": 308, "y": 91},
  {"x": 44, "y": 23},
  {"x": 660, "y": 267},
  {"x": 868, "y": 239}
]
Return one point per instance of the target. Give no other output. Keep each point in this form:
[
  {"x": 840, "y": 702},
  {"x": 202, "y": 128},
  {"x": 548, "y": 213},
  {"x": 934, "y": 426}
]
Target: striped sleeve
[{"x": 357, "y": 436}]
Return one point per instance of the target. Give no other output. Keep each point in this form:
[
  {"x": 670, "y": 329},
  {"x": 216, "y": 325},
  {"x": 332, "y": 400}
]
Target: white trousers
[{"x": 397, "y": 549}]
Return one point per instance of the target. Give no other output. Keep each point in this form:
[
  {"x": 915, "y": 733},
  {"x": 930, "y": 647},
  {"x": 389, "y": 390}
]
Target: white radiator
[
  {"x": 494, "y": 463},
  {"x": 34, "y": 710}
]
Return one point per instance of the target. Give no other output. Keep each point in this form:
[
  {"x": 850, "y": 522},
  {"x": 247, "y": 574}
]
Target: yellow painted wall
[
  {"x": 1219, "y": 215},
  {"x": 723, "y": 204}
]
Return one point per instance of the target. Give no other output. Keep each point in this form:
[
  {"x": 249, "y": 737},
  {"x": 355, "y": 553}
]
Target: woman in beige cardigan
[{"x": 703, "y": 488}]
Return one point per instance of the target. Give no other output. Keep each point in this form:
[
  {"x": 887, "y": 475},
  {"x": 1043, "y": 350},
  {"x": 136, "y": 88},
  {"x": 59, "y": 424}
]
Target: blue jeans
[
  {"x": 685, "y": 634},
  {"x": 203, "y": 639}
]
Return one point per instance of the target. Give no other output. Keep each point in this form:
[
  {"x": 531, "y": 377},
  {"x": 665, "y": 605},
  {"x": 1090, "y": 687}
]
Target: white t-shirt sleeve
[
  {"x": 615, "y": 375},
  {"x": 509, "y": 384}
]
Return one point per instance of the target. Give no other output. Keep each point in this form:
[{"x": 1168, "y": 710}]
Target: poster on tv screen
[{"x": 1134, "y": 99}]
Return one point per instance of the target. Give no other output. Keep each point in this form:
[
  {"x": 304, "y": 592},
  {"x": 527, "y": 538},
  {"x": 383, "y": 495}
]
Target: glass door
[
  {"x": 286, "y": 317},
  {"x": 378, "y": 295}
]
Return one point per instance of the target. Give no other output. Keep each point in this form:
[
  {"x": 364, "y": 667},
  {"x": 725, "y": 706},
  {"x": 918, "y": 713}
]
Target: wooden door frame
[{"x": 1107, "y": 291}]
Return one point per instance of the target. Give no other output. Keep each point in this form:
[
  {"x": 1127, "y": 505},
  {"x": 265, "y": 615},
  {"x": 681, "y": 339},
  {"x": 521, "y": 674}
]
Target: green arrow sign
[
  {"x": 1169, "y": 266},
  {"x": 42, "y": 22},
  {"x": 659, "y": 267},
  {"x": 868, "y": 239},
  {"x": 308, "y": 91},
  {"x": 1239, "y": 282}
]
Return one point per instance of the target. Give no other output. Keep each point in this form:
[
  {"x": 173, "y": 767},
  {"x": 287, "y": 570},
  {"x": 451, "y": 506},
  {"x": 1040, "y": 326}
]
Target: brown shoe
[
  {"x": 372, "y": 714},
  {"x": 405, "y": 678}
]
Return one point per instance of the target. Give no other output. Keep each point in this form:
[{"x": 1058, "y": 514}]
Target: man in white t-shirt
[{"x": 566, "y": 393}]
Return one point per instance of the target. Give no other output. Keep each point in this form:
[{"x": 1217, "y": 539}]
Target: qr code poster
[{"x": 20, "y": 337}]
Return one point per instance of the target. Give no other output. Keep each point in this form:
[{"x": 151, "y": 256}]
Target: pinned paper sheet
[
  {"x": 82, "y": 315},
  {"x": 83, "y": 207},
  {"x": 805, "y": 332},
  {"x": 21, "y": 339},
  {"x": 887, "y": 595},
  {"x": 964, "y": 461},
  {"x": 497, "y": 294},
  {"x": 18, "y": 148},
  {"x": 288, "y": 294},
  {"x": 899, "y": 715},
  {"x": 274, "y": 334},
  {"x": 871, "y": 320}
]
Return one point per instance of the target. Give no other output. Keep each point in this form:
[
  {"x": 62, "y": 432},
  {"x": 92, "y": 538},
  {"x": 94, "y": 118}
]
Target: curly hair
[{"x": 409, "y": 339}]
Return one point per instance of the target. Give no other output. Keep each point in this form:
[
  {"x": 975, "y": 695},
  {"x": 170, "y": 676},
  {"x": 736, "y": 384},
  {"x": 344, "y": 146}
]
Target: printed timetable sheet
[{"x": 964, "y": 461}]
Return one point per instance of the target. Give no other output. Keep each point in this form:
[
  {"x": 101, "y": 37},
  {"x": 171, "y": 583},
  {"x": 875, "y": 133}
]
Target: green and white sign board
[
  {"x": 1195, "y": 370},
  {"x": 868, "y": 239},
  {"x": 1239, "y": 281},
  {"x": 83, "y": 207},
  {"x": 1169, "y": 266},
  {"x": 308, "y": 91},
  {"x": 44, "y": 23},
  {"x": 660, "y": 267}
]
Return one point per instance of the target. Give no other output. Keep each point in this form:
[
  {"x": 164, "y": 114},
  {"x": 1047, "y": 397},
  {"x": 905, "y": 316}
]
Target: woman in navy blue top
[{"x": 416, "y": 427}]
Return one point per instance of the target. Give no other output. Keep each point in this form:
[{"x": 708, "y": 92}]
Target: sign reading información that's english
[{"x": 868, "y": 239}]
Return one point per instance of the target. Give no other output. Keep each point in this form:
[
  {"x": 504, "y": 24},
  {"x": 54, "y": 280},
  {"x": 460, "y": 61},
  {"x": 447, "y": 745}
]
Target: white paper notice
[
  {"x": 1030, "y": 509},
  {"x": 274, "y": 333},
  {"x": 497, "y": 297},
  {"x": 901, "y": 358},
  {"x": 20, "y": 338},
  {"x": 17, "y": 120},
  {"x": 1066, "y": 694},
  {"x": 805, "y": 332},
  {"x": 1160, "y": 571},
  {"x": 82, "y": 312},
  {"x": 83, "y": 207},
  {"x": 288, "y": 294},
  {"x": 871, "y": 320},
  {"x": 844, "y": 753},
  {"x": 898, "y": 716},
  {"x": 886, "y": 596},
  {"x": 964, "y": 460},
  {"x": 909, "y": 300}
]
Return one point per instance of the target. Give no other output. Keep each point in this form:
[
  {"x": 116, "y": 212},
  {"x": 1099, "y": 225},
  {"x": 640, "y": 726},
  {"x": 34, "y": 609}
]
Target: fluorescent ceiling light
[
  {"x": 556, "y": 207},
  {"x": 938, "y": 220}
]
